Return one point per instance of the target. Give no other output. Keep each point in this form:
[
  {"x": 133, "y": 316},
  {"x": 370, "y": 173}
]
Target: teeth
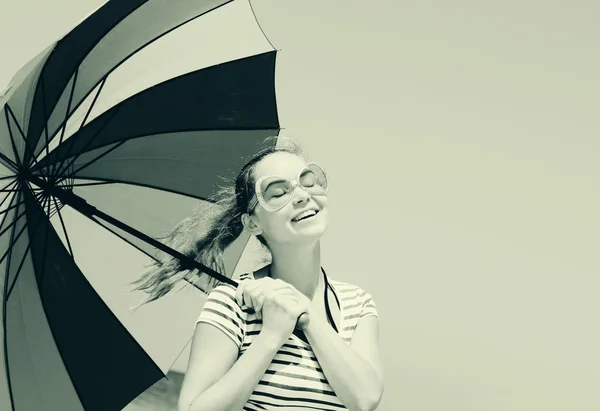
[{"x": 305, "y": 214}]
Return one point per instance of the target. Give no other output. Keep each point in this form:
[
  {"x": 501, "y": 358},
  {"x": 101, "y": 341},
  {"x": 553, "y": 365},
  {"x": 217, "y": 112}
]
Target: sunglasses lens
[
  {"x": 275, "y": 191},
  {"x": 314, "y": 180}
]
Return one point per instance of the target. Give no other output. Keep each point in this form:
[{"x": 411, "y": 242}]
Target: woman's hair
[{"x": 204, "y": 235}]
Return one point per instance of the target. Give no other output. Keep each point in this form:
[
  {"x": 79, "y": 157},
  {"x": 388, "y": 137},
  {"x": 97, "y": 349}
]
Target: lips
[{"x": 305, "y": 215}]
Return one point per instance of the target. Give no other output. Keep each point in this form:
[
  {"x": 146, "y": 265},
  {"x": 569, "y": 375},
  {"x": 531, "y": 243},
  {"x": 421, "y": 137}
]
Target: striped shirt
[{"x": 294, "y": 378}]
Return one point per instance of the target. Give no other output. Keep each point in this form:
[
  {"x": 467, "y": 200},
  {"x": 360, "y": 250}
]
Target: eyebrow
[
  {"x": 305, "y": 171},
  {"x": 279, "y": 180}
]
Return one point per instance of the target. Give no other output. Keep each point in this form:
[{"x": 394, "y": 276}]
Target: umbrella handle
[{"x": 302, "y": 322}]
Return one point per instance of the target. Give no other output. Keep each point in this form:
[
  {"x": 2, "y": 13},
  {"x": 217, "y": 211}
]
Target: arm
[
  {"x": 215, "y": 378},
  {"x": 354, "y": 371}
]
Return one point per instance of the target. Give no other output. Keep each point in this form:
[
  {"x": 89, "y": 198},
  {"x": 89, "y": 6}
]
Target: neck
[{"x": 299, "y": 266}]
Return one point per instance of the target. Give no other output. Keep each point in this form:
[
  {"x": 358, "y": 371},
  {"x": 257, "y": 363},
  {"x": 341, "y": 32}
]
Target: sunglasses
[{"x": 274, "y": 192}]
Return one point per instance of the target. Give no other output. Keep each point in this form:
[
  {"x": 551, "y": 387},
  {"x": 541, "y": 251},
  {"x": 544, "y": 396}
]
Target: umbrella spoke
[
  {"x": 99, "y": 183},
  {"x": 12, "y": 141},
  {"x": 62, "y": 223},
  {"x": 123, "y": 238},
  {"x": 70, "y": 160},
  {"x": 12, "y": 207},
  {"x": 73, "y": 173},
  {"x": 45, "y": 111},
  {"x": 4, "y": 230},
  {"x": 9, "y": 163},
  {"x": 16, "y": 277},
  {"x": 28, "y": 149},
  {"x": 64, "y": 127},
  {"x": 6, "y": 187},
  {"x": 57, "y": 168}
]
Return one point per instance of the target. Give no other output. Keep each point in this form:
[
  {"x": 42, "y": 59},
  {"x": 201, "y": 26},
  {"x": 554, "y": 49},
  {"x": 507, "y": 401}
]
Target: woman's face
[{"x": 284, "y": 226}]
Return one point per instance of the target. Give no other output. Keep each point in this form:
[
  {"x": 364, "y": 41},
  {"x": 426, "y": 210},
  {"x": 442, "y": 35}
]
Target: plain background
[{"x": 462, "y": 144}]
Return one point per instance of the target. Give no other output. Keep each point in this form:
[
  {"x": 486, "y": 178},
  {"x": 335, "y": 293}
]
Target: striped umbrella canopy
[{"x": 108, "y": 137}]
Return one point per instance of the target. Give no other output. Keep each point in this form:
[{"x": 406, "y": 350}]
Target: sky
[{"x": 461, "y": 143}]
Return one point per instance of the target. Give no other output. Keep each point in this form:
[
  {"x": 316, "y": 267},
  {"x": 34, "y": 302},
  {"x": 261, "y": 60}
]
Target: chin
[{"x": 314, "y": 230}]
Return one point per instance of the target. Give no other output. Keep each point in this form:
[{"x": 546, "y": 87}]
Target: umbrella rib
[
  {"x": 59, "y": 166},
  {"x": 42, "y": 274},
  {"x": 73, "y": 173},
  {"x": 99, "y": 183},
  {"x": 258, "y": 24},
  {"x": 12, "y": 207},
  {"x": 123, "y": 238},
  {"x": 62, "y": 134},
  {"x": 21, "y": 133},
  {"x": 11, "y": 224},
  {"x": 4, "y": 319},
  {"x": 113, "y": 181},
  {"x": 45, "y": 110},
  {"x": 14, "y": 282},
  {"x": 9, "y": 162},
  {"x": 16, "y": 165},
  {"x": 64, "y": 123},
  {"x": 15, "y": 181},
  {"x": 62, "y": 223},
  {"x": 71, "y": 160}
]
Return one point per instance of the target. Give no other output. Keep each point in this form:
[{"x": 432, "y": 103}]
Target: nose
[{"x": 300, "y": 195}]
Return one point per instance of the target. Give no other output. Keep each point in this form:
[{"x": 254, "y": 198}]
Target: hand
[
  {"x": 281, "y": 311},
  {"x": 250, "y": 296}
]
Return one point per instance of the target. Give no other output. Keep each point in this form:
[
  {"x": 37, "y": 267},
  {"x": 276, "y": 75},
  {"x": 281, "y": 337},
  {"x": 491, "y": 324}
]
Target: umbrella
[{"x": 108, "y": 137}]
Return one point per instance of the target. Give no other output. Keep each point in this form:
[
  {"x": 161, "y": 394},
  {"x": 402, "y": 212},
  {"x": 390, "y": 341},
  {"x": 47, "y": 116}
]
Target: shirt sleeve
[
  {"x": 222, "y": 311},
  {"x": 368, "y": 306}
]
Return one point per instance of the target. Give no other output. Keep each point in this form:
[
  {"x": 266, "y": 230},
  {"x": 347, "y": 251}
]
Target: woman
[{"x": 247, "y": 352}]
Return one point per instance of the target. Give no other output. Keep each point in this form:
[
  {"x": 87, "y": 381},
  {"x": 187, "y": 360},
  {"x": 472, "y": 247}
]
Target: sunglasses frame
[{"x": 258, "y": 198}]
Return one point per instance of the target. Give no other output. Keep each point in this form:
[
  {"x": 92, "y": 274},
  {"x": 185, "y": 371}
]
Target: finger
[
  {"x": 245, "y": 292},
  {"x": 254, "y": 297},
  {"x": 239, "y": 292},
  {"x": 259, "y": 303}
]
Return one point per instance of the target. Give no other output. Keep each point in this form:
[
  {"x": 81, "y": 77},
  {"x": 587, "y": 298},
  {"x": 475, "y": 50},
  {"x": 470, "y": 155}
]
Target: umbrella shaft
[{"x": 69, "y": 198}]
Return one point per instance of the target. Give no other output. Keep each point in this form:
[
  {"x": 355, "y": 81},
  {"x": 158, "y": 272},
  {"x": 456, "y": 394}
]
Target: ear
[{"x": 251, "y": 225}]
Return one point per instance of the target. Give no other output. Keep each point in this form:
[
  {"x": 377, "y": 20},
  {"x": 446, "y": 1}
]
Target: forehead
[{"x": 281, "y": 164}]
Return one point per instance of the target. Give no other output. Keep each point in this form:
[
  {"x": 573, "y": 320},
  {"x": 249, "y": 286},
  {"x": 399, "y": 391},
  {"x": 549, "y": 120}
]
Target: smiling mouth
[{"x": 305, "y": 216}]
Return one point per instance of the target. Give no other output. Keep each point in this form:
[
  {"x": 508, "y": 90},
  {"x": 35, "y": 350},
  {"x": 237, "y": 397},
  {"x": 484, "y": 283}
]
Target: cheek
[{"x": 274, "y": 223}]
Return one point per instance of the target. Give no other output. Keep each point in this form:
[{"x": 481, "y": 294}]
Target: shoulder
[
  {"x": 349, "y": 290},
  {"x": 222, "y": 291},
  {"x": 221, "y": 300},
  {"x": 222, "y": 311},
  {"x": 358, "y": 302}
]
